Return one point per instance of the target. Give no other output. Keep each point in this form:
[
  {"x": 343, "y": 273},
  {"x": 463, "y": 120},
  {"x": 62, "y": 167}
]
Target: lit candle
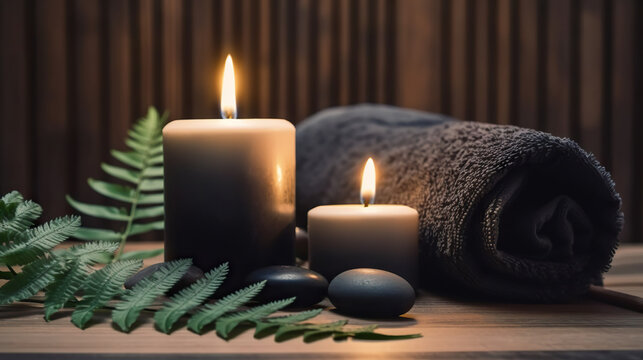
[
  {"x": 230, "y": 189},
  {"x": 343, "y": 237}
]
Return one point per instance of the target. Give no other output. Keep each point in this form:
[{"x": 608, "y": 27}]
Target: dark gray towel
[{"x": 505, "y": 212}]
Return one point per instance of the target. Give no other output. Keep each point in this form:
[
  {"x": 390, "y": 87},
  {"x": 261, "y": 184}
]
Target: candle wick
[{"x": 228, "y": 114}]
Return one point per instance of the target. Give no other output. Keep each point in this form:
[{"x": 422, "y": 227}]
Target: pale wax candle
[
  {"x": 343, "y": 237},
  {"x": 230, "y": 193}
]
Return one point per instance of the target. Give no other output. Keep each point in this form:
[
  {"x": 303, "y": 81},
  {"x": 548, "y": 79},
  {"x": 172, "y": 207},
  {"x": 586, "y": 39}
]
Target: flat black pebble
[
  {"x": 193, "y": 274},
  {"x": 287, "y": 281},
  {"x": 371, "y": 293}
]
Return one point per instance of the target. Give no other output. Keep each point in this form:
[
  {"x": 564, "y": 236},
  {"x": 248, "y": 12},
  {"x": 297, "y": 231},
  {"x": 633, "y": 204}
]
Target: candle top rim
[
  {"x": 357, "y": 210},
  {"x": 229, "y": 124}
]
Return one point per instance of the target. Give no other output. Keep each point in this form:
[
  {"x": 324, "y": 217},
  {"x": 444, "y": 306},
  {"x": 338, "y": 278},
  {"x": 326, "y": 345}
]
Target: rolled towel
[{"x": 505, "y": 212}]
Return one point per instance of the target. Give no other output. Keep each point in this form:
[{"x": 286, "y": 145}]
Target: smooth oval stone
[
  {"x": 371, "y": 293},
  {"x": 301, "y": 243},
  {"x": 192, "y": 275},
  {"x": 284, "y": 281}
]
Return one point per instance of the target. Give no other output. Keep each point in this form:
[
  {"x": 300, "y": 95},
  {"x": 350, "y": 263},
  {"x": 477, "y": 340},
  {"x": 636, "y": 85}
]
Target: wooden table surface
[{"x": 586, "y": 329}]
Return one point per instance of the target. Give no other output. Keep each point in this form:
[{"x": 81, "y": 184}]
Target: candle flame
[
  {"x": 228, "y": 97},
  {"x": 367, "y": 193}
]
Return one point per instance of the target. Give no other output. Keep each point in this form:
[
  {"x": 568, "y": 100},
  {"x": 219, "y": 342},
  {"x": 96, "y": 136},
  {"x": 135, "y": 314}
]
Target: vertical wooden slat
[
  {"x": 172, "y": 58},
  {"x": 246, "y": 20},
  {"x": 460, "y": 78},
  {"x": 15, "y": 141},
  {"x": 265, "y": 81},
  {"x": 51, "y": 113},
  {"x": 301, "y": 94},
  {"x": 89, "y": 98},
  {"x": 418, "y": 58},
  {"x": 382, "y": 69},
  {"x": 623, "y": 110},
  {"x": 120, "y": 72},
  {"x": 482, "y": 61},
  {"x": 146, "y": 56},
  {"x": 285, "y": 59},
  {"x": 591, "y": 81},
  {"x": 362, "y": 47},
  {"x": 505, "y": 65},
  {"x": 325, "y": 52},
  {"x": 345, "y": 53},
  {"x": 559, "y": 71},
  {"x": 204, "y": 65},
  {"x": 528, "y": 64},
  {"x": 637, "y": 194}
]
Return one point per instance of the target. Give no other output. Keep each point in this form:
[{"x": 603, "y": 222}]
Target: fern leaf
[
  {"x": 286, "y": 332},
  {"x": 129, "y": 158},
  {"x": 113, "y": 191},
  {"x": 34, "y": 242},
  {"x": 99, "y": 211},
  {"x": 141, "y": 254},
  {"x": 150, "y": 199},
  {"x": 154, "y": 171},
  {"x": 148, "y": 212},
  {"x": 24, "y": 214},
  {"x": 226, "y": 324},
  {"x": 142, "y": 228},
  {"x": 101, "y": 287},
  {"x": 78, "y": 258},
  {"x": 148, "y": 289},
  {"x": 13, "y": 197},
  {"x": 91, "y": 252},
  {"x": 143, "y": 171},
  {"x": 273, "y": 322},
  {"x": 97, "y": 234},
  {"x": 33, "y": 278},
  {"x": 152, "y": 185},
  {"x": 189, "y": 298},
  {"x": 209, "y": 313},
  {"x": 65, "y": 286},
  {"x": 121, "y": 173},
  {"x": 368, "y": 333}
]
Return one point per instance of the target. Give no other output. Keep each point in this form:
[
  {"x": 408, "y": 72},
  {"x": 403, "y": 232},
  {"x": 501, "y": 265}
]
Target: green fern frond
[
  {"x": 368, "y": 333},
  {"x": 189, "y": 298},
  {"x": 309, "y": 330},
  {"x": 24, "y": 214},
  {"x": 273, "y": 322},
  {"x": 101, "y": 287},
  {"x": 141, "y": 254},
  {"x": 33, "y": 278},
  {"x": 210, "y": 312},
  {"x": 146, "y": 291},
  {"x": 64, "y": 287},
  {"x": 13, "y": 197},
  {"x": 33, "y": 243},
  {"x": 142, "y": 172},
  {"x": 78, "y": 258},
  {"x": 226, "y": 324}
]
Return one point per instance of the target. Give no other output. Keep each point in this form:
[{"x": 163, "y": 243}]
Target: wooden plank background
[{"x": 76, "y": 73}]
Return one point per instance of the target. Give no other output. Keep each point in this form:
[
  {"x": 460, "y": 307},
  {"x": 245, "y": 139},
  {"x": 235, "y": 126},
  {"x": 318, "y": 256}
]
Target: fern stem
[
  {"x": 132, "y": 211},
  {"x": 104, "y": 307},
  {"x": 13, "y": 272}
]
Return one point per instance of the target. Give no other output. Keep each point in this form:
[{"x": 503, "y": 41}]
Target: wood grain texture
[
  {"x": 77, "y": 73},
  {"x": 584, "y": 329}
]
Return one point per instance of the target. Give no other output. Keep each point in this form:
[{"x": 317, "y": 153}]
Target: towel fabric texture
[{"x": 505, "y": 212}]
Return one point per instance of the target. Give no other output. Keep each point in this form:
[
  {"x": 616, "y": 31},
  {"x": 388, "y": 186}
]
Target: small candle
[
  {"x": 230, "y": 190},
  {"x": 343, "y": 237}
]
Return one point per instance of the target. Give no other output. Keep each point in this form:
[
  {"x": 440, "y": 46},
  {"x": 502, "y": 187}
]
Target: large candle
[
  {"x": 343, "y": 237},
  {"x": 230, "y": 190}
]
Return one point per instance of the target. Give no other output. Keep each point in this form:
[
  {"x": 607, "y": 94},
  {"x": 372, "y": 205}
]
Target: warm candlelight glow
[
  {"x": 228, "y": 97},
  {"x": 367, "y": 193}
]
